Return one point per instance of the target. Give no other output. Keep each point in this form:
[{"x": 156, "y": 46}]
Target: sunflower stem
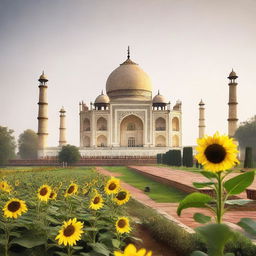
[
  {"x": 69, "y": 251},
  {"x": 219, "y": 194},
  {"x": 7, "y": 235}
]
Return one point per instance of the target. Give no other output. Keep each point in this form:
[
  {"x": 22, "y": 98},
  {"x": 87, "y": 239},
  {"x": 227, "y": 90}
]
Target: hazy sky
[{"x": 188, "y": 48}]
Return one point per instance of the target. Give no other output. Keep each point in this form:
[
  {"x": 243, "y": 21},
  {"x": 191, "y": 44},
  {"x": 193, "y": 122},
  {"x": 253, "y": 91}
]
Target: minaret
[
  {"x": 201, "y": 119},
  {"x": 232, "y": 104},
  {"x": 62, "y": 139},
  {"x": 42, "y": 113}
]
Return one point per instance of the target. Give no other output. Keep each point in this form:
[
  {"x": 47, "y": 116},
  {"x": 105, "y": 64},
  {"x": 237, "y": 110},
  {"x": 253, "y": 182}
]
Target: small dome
[
  {"x": 129, "y": 81},
  {"x": 159, "y": 99},
  {"x": 201, "y": 103},
  {"x": 232, "y": 75},
  {"x": 62, "y": 110},
  {"x": 102, "y": 99},
  {"x": 43, "y": 78}
]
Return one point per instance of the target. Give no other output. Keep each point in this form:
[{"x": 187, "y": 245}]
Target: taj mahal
[{"x": 128, "y": 120}]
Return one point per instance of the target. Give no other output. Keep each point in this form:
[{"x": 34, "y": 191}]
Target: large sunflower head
[
  {"x": 123, "y": 225},
  {"x": 130, "y": 250},
  {"x": 96, "y": 202},
  {"x": 72, "y": 190},
  {"x": 44, "y": 193},
  {"x": 217, "y": 153},
  {"x": 14, "y": 208},
  {"x": 4, "y": 186},
  {"x": 112, "y": 186},
  {"x": 70, "y": 232},
  {"x": 122, "y": 197}
]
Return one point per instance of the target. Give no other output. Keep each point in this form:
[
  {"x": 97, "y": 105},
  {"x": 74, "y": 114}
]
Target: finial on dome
[
  {"x": 158, "y": 92},
  {"x": 128, "y": 52},
  {"x": 101, "y": 92},
  {"x": 232, "y": 75},
  {"x": 201, "y": 103},
  {"x": 43, "y": 78}
]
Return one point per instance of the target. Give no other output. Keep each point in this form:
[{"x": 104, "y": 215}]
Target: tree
[
  {"x": 248, "y": 161},
  {"x": 28, "y": 144},
  {"x": 7, "y": 145},
  {"x": 246, "y": 135},
  {"x": 188, "y": 156},
  {"x": 69, "y": 154}
]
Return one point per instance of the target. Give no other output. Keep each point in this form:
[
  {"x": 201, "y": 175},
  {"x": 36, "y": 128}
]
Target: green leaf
[
  {"x": 29, "y": 240},
  {"x": 193, "y": 200},
  {"x": 100, "y": 248},
  {"x": 229, "y": 254},
  {"x": 239, "y": 183},
  {"x": 248, "y": 225},
  {"x": 198, "y": 253},
  {"x": 116, "y": 243},
  {"x": 215, "y": 236},
  {"x": 201, "y": 218},
  {"x": 209, "y": 175},
  {"x": 202, "y": 184},
  {"x": 238, "y": 201}
]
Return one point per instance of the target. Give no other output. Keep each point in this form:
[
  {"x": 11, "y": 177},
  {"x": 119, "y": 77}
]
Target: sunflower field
[{"x": 63, "y": 212}]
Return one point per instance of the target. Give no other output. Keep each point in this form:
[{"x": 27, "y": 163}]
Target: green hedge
[
  {"x": 187, "y": 159},
  {"x": 248, "y": 160}
]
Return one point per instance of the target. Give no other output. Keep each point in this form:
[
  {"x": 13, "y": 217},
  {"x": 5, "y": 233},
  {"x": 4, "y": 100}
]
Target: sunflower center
[
  {"x": 121, "y": 223},
  {"x": 96, "y": 200},
  {"x": 71, "y": 189},
  {"x": 43, "y": 191},
  {"x": 121, "y": 195},
  {"x": 69, "y": 230},
  {"x": 14, "y": 206},
  {"x": 112, "y": 186},
  {"x": 215, "y": 153}
]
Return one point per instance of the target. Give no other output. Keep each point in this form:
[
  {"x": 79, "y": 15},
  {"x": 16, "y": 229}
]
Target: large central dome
[{"x": 130, "y": 82}]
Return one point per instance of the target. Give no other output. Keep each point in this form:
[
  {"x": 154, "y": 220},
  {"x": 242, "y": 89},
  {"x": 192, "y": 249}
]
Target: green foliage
[
  {"x": 158, "y": 192},
  {"x": 248, "y": 160},
  {"x": 69, "y": 154},
  {"x": 238, "y": 184},
  {"x": 187, "y": 159},
  {"x": 246, "y": 134},
  {"x": 172, "y": 157},
  {"x": 7, "y": 145},
  {"x": 216, "y": 236},
  {"x": 201, "y": 218},
  {"x": 248, "y": 225},
  {"x": 159, "y": 158},
  {"x": 35, "y": 231},
  {"x": 195, "y": 199},
  {"x": 27, "y": 144}
]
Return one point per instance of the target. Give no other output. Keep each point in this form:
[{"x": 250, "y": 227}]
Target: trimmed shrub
[
  {"x": 187, "y": 157},
  {"x": 159, "y": 158},
  {"x": 248, "y": 160}
]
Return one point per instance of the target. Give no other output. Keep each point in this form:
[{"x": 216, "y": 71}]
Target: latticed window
[{"x": 131, "y": 142}]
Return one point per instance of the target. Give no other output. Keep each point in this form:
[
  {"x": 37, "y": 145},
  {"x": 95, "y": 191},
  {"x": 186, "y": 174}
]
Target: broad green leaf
[
  {"x": 193, "y": 200},
  {"x": 238, "y": 201},
  {"x": 201, "y": 218},
  {"x": 202, "y": 184},
  {"x": 209, "y": 175},
  {"x": 116, "y": 243},
  {"x": 215, "y": 236},
  {"x": 229, "y": 254},
  {"x": 239, "y": 183},
  {"x": 29, "y": 241},
  {"x": 100, "y": 248},
  {"x": 198, "y": 253},
  {"x": 248, "y": 225}
]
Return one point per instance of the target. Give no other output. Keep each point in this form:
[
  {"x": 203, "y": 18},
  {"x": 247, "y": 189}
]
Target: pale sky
[{"x": 188, "y": 48}]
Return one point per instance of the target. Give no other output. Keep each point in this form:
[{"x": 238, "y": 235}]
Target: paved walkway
[{"x": 186, "y": 219}]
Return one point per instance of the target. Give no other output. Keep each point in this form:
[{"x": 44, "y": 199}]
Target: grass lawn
[{"x": 159, "y": 192}]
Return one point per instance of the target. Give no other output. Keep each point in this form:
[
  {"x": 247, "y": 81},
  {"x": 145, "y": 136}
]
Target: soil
[{"x": 148, "y": 242}]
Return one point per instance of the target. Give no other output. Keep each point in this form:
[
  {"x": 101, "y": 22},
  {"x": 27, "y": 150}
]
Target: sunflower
[
  {"x": 96, "y": 202},
  {"x": 70, "y": 232},
  {"x": 44, "y": 193},
  {"x": 217, "y": 153},
  {"x": 130, "y": 250},
  {"x": 5, "y": 186},
  {"x": 123, "y": 225},
  {"x": 122, "y": 197},
  {"x": 53, "y": 195},
  {"x": 112, "y": 186},
  {"x": 14, "y": 208},
  {"x": 72, "y": 189}
]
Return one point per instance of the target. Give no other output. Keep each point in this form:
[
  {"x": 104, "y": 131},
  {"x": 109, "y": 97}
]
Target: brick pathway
[{"x": 169, "y": 209}]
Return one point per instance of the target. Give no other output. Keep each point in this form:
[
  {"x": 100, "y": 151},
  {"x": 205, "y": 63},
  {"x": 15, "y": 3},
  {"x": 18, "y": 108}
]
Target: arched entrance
[{"x": 131, "y": 132}]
